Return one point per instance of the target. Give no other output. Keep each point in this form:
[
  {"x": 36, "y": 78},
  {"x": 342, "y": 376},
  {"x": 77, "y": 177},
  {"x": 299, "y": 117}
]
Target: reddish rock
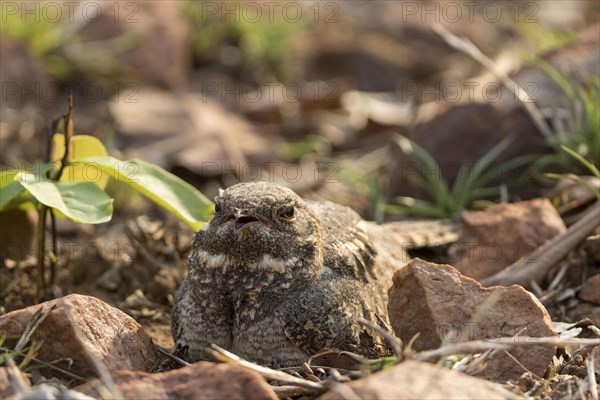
[
  {"x": 108, "y": 333},
  {"x": 595, "y": 359},
  {"x": 590, "y": 291},
  {"x": 419, "y": 380},
  {"x": 202, "y": 380},
  {"x": 443, "y": 305},
  {"x": 495, "y": 238}
]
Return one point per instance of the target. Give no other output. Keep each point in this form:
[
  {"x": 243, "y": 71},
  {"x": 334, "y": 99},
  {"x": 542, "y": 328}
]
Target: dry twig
[
  {"x": 536, "y": 265},
  {"x": 394, "y": 341},
  {"x": 38, "y": 317},
  {"x": 466, "y": 46},
  {"x": 501, "y": 343},
  {"x": 228, "y": 357},
  {"x": 172, "y": 356}
]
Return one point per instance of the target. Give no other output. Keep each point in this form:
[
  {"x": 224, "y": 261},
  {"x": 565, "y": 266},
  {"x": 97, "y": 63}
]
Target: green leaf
[
  {"x": 82, "y": 202},
  {"x": 165, "y": 189},
  {"x": 9, "y": 189},
  {"x": 81, "y": 146},
  {"x": 7, "y": 176},
  {"x": 8, "y": 193}
]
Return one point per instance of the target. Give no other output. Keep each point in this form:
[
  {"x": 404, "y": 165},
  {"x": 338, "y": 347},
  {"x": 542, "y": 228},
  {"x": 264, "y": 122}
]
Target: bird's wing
[
  {"x": 414, "y": 234},
  {"x": 348, "y": 251},
  {"x": 325, "y": 316}
]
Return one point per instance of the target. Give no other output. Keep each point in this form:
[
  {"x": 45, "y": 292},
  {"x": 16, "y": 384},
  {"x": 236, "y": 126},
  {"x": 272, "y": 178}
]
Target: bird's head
[{"x": 260, "y": 226}]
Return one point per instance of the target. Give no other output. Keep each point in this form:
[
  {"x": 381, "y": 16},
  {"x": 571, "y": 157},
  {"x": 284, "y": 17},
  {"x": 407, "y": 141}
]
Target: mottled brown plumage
[{"x": 275, "y": 279}]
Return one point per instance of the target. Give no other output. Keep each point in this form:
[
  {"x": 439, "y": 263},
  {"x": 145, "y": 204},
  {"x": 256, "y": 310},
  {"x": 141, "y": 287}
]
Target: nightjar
[{"x": 276, "y": 279}]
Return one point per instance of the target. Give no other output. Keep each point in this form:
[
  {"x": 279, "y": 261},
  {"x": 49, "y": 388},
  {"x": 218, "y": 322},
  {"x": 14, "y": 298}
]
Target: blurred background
[
  {"x": 310, "y": 94},
  {"x": 400, "y": 109}
]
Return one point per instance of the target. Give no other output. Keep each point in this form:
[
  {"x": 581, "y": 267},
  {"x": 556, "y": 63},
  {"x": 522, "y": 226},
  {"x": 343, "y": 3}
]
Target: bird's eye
[
  {"x": 287, "y": 213},
  {"x": 217, "y": 207}
]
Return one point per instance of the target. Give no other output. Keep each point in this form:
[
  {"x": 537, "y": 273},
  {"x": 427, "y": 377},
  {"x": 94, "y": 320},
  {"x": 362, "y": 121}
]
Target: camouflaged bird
[{"x": 275, "y": 279}]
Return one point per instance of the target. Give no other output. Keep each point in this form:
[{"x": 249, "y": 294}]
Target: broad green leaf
[
  {"x": 9, "y": 192},
  {"x": 82, "y": 202},
  {"x": 8, "y": 176},
  {"x": 81, "y": 146},
  {"x": 165, "y": 189},
  {"x": 12, "y": 193}
]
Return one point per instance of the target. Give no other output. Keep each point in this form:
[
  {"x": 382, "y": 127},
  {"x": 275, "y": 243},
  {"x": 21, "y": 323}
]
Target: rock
[
  {"x": 477, "y": 127},
  {"x": 194, "y": 133},
  {"x": 202, "y": 380},
  {"x": 112, "y": 336},
  {"x": 445, "y": 306},
  {"x": 495, "y": 238},
  {"x": 590, "y": 291},
  {"x": 479, "y": 116},
  {"x": 584, "y": 310},
  {"x": 7, "y": 383},
  {"x": 419, "y": 380},
  {"x": 595, "y": 359}
]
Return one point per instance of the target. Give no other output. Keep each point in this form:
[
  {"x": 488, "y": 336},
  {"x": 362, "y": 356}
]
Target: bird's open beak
[{"x": 241, "y": 220}]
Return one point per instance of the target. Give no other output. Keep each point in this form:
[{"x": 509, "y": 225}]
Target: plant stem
[
  {"x": 43, "y": 210},
  {"x": 54, "y": 251},
  {"x": 68, "y": 122},
  {"x": 41, "y": 238}
]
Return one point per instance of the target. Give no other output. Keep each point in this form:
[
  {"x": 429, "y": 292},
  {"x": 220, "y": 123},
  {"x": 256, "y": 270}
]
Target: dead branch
[{"x": 535, "y": 266}]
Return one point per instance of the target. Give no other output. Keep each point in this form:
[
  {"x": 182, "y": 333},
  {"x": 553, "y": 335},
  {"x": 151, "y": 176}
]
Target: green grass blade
[
  {"x": 419, "y": 207},
  {"x": 556, "y": 76},
  {"x": 484, "y": 192},
  {"x": 470, "y": 181},
  {"x": 578, "y": 180},
  {"x": 438, "y": 186},
  {"x": 582, "y": 160},
  {"x": 504, "y": 167}
]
